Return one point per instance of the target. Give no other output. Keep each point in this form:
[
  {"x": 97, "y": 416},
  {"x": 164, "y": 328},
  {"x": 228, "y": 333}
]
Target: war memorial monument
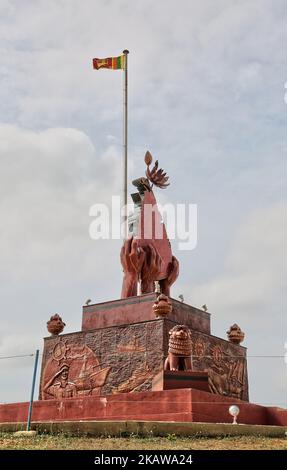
[{"x": 145, "y": 356}]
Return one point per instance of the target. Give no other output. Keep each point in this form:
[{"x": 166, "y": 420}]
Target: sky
[{"x": 207, "y": 98}]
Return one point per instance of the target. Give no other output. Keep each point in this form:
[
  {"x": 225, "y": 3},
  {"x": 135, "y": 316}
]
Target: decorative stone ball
[
  {"x": 162, "y": 306},
  {"x": 235, "y": 334},
  {"x": 55, "y": 325}
]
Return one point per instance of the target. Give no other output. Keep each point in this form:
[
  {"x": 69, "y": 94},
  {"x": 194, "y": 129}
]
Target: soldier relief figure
[
  {"x": 72, "y": 370},
  {"x": 61, "y": 388}
]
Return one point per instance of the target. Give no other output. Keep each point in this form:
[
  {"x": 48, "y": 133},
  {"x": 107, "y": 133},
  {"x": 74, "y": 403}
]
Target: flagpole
[{"x": 125, "y": 146}]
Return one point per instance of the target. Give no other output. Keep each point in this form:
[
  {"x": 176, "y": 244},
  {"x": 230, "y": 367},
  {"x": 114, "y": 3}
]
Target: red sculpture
[
  {"x": 143, "y": 264},
  {"x": 235, "y": 334},
  {"x": 162, "y": 306},
  {"x": 72, "y": 370},
  {"x": 55, "y": 325},
  {"x": 62, "y": 388},
  {"x": 179, "y": 349},
  {"x": 146, "y": 255}
]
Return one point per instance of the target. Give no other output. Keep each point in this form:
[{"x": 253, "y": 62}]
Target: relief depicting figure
[
  {"x": 72, "y": 370},
  {"x": 226, "y": 370},
  {"x": 230, "y": 380}
]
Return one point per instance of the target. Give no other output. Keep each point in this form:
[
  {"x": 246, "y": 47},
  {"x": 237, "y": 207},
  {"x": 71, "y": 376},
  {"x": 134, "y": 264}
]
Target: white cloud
[
  {"x": 256, "y": 267},
  {"x": 49, "y": 179},
  {"x": 251, "y": 292}
]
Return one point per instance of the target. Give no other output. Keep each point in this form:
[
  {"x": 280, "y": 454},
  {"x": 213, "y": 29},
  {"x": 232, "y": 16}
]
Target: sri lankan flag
[{"x": 110, "y": 63}]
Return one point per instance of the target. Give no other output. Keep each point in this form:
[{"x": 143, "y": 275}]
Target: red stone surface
[
  {"x": 277, "y": 416},
  {"x": 171, "y": 380},
  {"x": 139, "y": 309},
  {"x": 132, "y": 355},
  {"x": 153, "y": 231},
  {"x": 169, "y": 405},
  {"x": 146, "y": 254},
  {"x": 225, "y": 362}
]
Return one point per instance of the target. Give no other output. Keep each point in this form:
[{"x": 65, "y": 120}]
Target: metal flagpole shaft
[
  {"x": 125, "y": 145},
  {"x": 32, "y": 390}
]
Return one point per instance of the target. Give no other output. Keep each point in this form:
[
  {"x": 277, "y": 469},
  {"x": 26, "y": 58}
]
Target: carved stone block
[{"x": 127, "y": 349}]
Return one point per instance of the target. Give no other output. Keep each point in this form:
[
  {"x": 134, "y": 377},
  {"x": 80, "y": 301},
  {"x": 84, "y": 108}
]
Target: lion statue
[{"x": 179, "y": 349}]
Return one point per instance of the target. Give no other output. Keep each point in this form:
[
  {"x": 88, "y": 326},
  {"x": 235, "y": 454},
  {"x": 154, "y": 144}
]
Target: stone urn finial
[
  {"x": 55, "y": 325},
  {"x": 162, "y": 306},
  {"x": 235, "y": 334}
]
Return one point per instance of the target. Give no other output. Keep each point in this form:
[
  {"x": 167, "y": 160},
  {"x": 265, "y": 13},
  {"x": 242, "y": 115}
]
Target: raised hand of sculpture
[
  {"x": 151, "y": 269},
  {"x": 173, "y": 271},
  {"x": 146, "y": 255},
  {"x": 132, "y": 259},
  {"x": 140, "y": 264}
]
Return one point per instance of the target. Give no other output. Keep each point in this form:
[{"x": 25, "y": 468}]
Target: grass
[{"x": 134, "y": 442}]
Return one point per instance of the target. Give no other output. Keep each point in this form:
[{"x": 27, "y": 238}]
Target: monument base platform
[
  {"x": 184, "y": 405},
  {"x": 169, "y": 380},
  {"x": 122, "y": 347}
]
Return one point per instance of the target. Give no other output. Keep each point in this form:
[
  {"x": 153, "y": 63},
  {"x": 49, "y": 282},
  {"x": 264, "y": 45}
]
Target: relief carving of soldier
[{"x": 59, "y": 386}]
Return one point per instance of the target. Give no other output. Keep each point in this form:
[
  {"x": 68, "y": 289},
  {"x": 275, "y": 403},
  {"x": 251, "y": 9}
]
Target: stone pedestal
[
  {"x": 122, "y": 346},
  {"x": 170, "y": 380},
  {"x": 167, "y": 405},
  {"x": 113, "y": 370},
  {"x": 139, "y": 309}
]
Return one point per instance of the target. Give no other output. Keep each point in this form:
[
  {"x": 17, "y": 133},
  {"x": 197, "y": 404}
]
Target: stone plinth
[
  {"x": 168, "y": 405},
  {"x": 139, "y": 309},
  {"x": 172, "y": 380},
  {"x": 126, "y": 358}
]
